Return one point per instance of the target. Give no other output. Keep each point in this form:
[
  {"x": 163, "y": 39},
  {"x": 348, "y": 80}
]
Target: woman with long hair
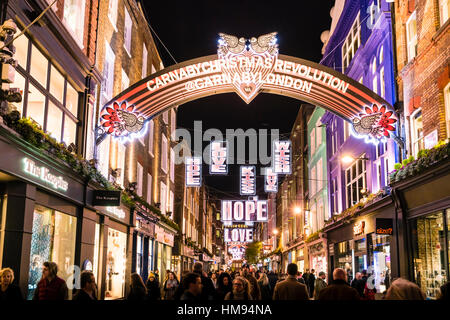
[
  {"x": 264, "y": 286},
  {"x": 138, "y": 290},
  {"x": 170, "y": 286},
  {"x": 224, "y": 285},
  {"x": 241, "y": 290},
  {"x": 8, "y": 290}
]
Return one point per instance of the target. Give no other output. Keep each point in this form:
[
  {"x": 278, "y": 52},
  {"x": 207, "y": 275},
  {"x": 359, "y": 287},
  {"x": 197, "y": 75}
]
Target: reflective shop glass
[
  {"x": 53, "y": 239},
  {"x": 54, "y": 121},
  {"x": 429, "y": 250},
  {"x": 36, "y": 105},
  {"x": 115, "y": 264},
  {"x": 39, "y": 66}
]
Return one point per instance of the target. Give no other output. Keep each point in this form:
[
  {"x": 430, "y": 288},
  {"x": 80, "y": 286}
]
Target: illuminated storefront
[
  {"x": 143, "y": 243},
  {"x": 164, "y": 241},
  {"x": 116, "y": 264}
]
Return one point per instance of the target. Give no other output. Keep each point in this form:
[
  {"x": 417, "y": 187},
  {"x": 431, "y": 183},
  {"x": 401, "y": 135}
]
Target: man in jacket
[
  {"x": 290, "y": 289},
  {"x": 51, "y": 287},
  {"x": 311, "y": 281},
  {"x": 208, "y": 290},
  {"x": 339, "y": 289},
  {"x": 319, "y": 284},
  {"x": 192, "y": 283},
  {"x": 254, "y": 288}
]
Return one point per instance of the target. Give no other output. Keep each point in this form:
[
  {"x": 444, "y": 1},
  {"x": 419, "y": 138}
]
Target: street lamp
[
  {"x": 347, "y": 159},
  {"x": 297, "y": 210},
  {"x": 275, "y": 231}
]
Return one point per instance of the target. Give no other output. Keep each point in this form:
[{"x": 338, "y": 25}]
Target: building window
[
  {"x": 108, "y": 74},
  {"x": 163, "y": 198},
  {"x": 375, "y": 84},
  {"x": 165, "y": 117},
  {"x": 319, "y": 175},
  {"x": 313, "y": 141},
  {"x": 318, "y": 133},
  {"x": 164, "y": 153},
  {"x": 313, "y": 181},
  {"x": 172, "y": 165},
  {"x": 74, "y": 19},
  {"x": 173, "y": 123},
  {"x": 351, "y": 44},
  {"x": 139, "y": 178},
  {"x": 382, "y": 83},
  {"x": 112, "y": 12},
  {"x": 144, "y": 61},
  {"x": 171, "y": 199},
  {"x": 411, "y": 36},
  {"x": 150, "y": 136},
  {"x": 355, "y": 181},
  {"x": 447, "y": 107},
  {"x": 386, "y": 171},
  {"x": 121, "y": 152},
  {"x": 444, "y": 11},
  {"x": 127, "y": 32},
  {"x": 125, "y": 80},
  {"x": 334, "y": 197},
  {"x": 417, "y": 132},
  {"x": 381, "y": 55},
  {"x": 346, "y": 130},
  {"x": 149, "y": 188}
]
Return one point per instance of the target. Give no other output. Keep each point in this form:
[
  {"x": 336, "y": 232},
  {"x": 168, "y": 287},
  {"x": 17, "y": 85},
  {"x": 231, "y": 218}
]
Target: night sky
[{"x": 189, "y": 29}]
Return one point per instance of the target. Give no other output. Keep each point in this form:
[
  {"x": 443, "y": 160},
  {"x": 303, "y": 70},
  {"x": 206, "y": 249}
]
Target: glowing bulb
[
  {"x": 297, "y": 210},
  {"x": 347, "y": 159}
]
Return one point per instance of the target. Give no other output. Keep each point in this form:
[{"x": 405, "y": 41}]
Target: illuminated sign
[
  {"x": 116, "y": 212},
  {"x": 270, "y": 181},
  {"x": 244, "y": 211},
  {"x": 358, "y": 228},
  {"x": 218, "y": 157},
  {"x": 43, "y": 174},
  {"x": 237, "y": 251},
  {"x": 384, "y": 226},
  {"x": 193, "y": 171},
  {"x": 238, "y": 235},
  {"x": 282, "y": 157},
  {"x": 247, "y": 67},
  {"x": 248, "y": 180}
]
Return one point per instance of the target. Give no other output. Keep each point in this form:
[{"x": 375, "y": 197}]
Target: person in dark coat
[
  {"x": 300, "y": 278},
  {"x": 358, "y": 284},
  {"x": 153, "y": 291},
  {"x": 273, "y": 279},
  {"x": 170, "y": 286},
  {"x": 208, "y": 290},
  {"x": 305, "y": 277},
  {"x": 254, "y": 287},
  {"x": 224, "y": 285},
  {"x": 192, "y": 282},
  {"x": 138, "y": 291},
  {"x": 445, "y": 291},
  {"x": 311, "y": 282},
  {"x": 51, "y": 287},
  {"x": 339, "y": 288},
  {"x": 264, "y": 287},
  {"x": 88, "y": 287},
  {"x": 8, "y": 290},
  {"x": 290, "y": 289}
]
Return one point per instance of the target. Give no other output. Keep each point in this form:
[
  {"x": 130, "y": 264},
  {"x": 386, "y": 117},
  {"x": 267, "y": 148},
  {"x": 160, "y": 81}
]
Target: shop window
[
  {"x": 115, "y": 264},
  {"x": 355, "y": 181},
  {"x": 139, "y": 254},
  {"x": 96, "y": 256},
  {"x": 444, "y": 11},
  {"x": 150, "y": 136},
  {"x": 411, "y": 36},
  {"x": 360, "y": 254},
  {"x": 70, "y": 130},
  {"x": 127, "y": 32},
  {"x": 447, "y": 107},
  {"x": 344, "y": 259},
  {"x": 53, "y": 239},
  {"x": 352, "y": 43},
  {"x": 56, "y": 84},
  {"x": 74, "y": 19},
  {"x": 54, "y": 121},
  {"x": 428, "y": 242},
  {"x": 36, "y": 105},
  {"x": 417, "y": 132},
  {"x": 39, "y": 66},
  {"x": 380, "y": 257},
  {"x": 144, "y": 60},
  {"x": 164, "y": 153},
  {"x": 150, "y": 255}
]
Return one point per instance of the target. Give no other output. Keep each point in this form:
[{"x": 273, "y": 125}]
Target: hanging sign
[
  {"x": 282, "y": 157},
  {"x": 358, "y": 228},
  {"x": 238, "y": 235},
  {"x": 106, "y": 198},
  {"x": 270, "y": 181},
  {"x": 248, "y": 180},
  {"x": 193, "y": 171},
  {"x": 218, "y": 157},
  {"x": 244, "y": 211},
  {"x": 384, "y": 226}
]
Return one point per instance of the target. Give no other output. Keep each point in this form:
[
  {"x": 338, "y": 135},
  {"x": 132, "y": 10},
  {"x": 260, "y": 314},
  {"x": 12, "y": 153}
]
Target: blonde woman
[
  {"x": 8, "y": 290},
  {"x": 402, "y": 289},
  {"x": 241, "y": 290},
  {"x": 264, "y": 286}
]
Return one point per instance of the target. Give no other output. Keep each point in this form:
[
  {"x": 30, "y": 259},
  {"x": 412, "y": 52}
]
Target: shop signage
[
  {"x": 145, "y": 226},
  {"x": 331, "y": 249},
  {"x": 238, "y": 235},
  {"x": 282, "y": 157},
  {"x": 244, "y": 211},
  {"x": 270, "y": 181},
  {"x": 384, "y": 226},
  {"x": 248, "y": 180},
  {"x": 358, "y": 228},
  {"x": 193, "y": 171},
  {"x": 188, "y": 251},
  {"x": 44, "y": 174},
  {"x": 163, "y": 236},
  {"x": 219, "y": 154},
  {"x": 106, "y": 198},
  {"x": 116, "y": 212},
  {"x": 237, "y": 251}
]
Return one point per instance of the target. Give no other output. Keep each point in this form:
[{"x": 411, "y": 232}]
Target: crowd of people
[{"x": 198, "y": 286}]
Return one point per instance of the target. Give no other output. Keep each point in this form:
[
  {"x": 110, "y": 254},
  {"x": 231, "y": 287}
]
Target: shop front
[
  {"x": 317, "y": 255},
  {"x": 301, "y": 258},
  {"x": 424, "y": 210},
  {"x": 164, "y": 236},
  {"x": 365, "y": 242}
]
